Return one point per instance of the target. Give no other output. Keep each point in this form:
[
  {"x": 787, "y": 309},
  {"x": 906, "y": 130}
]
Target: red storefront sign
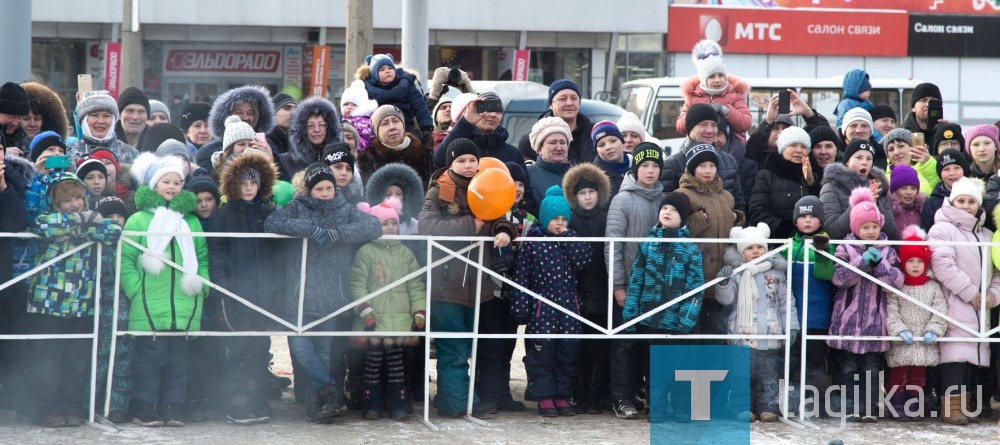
[
  {"x": 221, "y": 60},
  {"x": 112, "y": 67},
  {"x": 826, "y": 32},
  {"x": 521, "y": 58}
]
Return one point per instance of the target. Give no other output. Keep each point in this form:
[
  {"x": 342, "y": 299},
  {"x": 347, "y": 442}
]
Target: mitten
[
  {"x": 368, "y": 317},
  {"x": 822, "y": 242},
  {"x": 438, "y": 81},
  {"x": 465, "y": 84},
  {"x": 929, "y": 337},
  {"x": 725, "y": 272},
  {"x": 907, "y": 337},
  {"x": 419, "y": 319},
  {"x": 91, "y": 217},
  {"x": 871, "y": 257},
  {"x": 719, "y": 108}
]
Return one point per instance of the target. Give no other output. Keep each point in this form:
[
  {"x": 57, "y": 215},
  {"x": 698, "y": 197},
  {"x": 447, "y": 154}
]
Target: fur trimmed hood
[
  {"x": 403, "y": 176},
  {"x": 147, "y": 199},
  {"x": 586, "y": 172},
  {"x": 735, "y": 259},
  {"x": 364, "y": 72},
  {"x": 300, "y": 148},
  {"x": 18, "y": 172},
  {"x": 223, "y": 108},
  {"x": 690, "y": 88},
  {"x": 47, "y": 103},
  {"x": 229, "y": 179},
  {"x": 846, "y": 180}
]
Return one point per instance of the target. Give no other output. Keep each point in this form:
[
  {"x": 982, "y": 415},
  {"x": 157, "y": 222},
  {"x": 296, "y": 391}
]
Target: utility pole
[
  {"x": 415, "y": 36},
  {"x": 132, "y": 65},
  {"x": 15, "y": 21},
  {"x": 360, "y": 36}
]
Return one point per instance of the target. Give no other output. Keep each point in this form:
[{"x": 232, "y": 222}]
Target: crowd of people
[{"x": 392, "y": 160}]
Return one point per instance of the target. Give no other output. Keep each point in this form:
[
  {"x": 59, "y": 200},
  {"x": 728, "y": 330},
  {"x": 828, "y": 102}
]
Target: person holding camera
[
  {"x": 477, "y": 118},
  {"x": 925, "y": 98}
]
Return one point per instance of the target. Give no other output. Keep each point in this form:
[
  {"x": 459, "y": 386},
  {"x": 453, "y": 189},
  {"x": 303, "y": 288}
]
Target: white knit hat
[
  {"x": 544, "y": 127},
  {"x": 856, "y": 114},
  {"x": 149, "y": 168},
  {"x": 707, "y": 57},
  {"x": 745, "y": 235},
  {"x": 236, "y": 130},
  {"x": 630, "y": 122},
  {"x": 459, "y": 103},
  {"x": 358, "y": 95},
  {"x": 793, "y": 135},
  {"x": 967, "y": 186}
]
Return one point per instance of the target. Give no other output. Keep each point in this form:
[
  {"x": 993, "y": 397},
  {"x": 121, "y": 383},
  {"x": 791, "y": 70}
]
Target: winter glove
[
  {"x": 720, "y": 108},
  {"x": 725, "y": 272},
  {"x": 438, "y": 81},
  {"x": 427, "y": 137},
  {"x": 929, "y": 337},
  {"x": 419, "y": 319},
  {"x": 871, "y": 257},
  {"x": 464, "y": 83},
  {"x": 91, "y": 217},
  {"x": 822, "y": 242},
  {"x": 368, "y": 317},
  {"x": 907, "y": 337}
]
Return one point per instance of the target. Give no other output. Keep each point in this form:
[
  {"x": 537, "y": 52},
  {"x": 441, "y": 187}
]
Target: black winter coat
[
  {"x": 757, "y": 143},
  {"x": 13, "y": 216},
  {"x": 492, "y": 145},
  {"x": 778, "y": 187},
  {"x": 592, "y": 282},
  {"x": 932, "y": 205}
]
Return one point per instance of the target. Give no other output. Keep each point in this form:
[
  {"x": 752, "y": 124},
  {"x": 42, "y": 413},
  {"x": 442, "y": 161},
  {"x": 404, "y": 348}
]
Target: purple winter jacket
[
  {"x": 960, "y": 271},
  {"x": 859, "y": 305}
]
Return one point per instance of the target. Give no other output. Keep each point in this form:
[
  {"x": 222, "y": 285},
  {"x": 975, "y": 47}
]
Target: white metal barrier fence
[{"x": 477, "y": 243}]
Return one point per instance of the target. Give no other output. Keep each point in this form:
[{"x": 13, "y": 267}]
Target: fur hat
[
  {"x": 358, "y": 95},
  {"x": 700, "y": 153},
  {"x": 952, "y": 156},
  {"x": 605, "y": 128},
  {"x": 586, "y": 175},
  {"x": 111, "y": 205},
  {"x": 148, "y": 168},
  {"x": 750, "y": 236},
  {"x": 254, "y": 165},
  {"x": 203, "y": 183},
  {"x": 157, "y": 106},
  {"x": 808, "y": 205},
  {"x": 856, "y": 146},
  {"x": 194, "y": 112},
  {"x": 42, "y": 141},
  {"x": 95, "y": 101},
  {"x": 47, "y": 104},
  {"x": 383, "y": 112},
  {"x": 458, "y": 105},
  {"x": 630, "y": 122},
  {"x": 863, "y": 209},
  {"x": 698, "y": 113},
  {"x": 793, "y": 135},
  {"x": 559, "y": 85},
  {"x": 317, "y": 172},
  {"x": 14, "y": 100},
  {"x": 707, "y": 58},
  {"x": 923, "y": 90},
  {"x": 947, "y": 132},
  {"x": 967, "y": 186},
  {"x": 236, "y": 130},
  {"x": 989, "y": 130},
  {"x": 376, "y": 62},
  {"x": 914, "y": 233},
  {"x": 902, "y": 176},
  {"x": 545, "y": 127},
  {"x": 338, "y": 152},
  {"x": 153, "y": 137},
  {"x": 553, "y": 205},
  {"x": 856, "y": 114},
  {"x": 133, "y": 96},
  {"x": 898, "y": 134},
  {"x": 85, "y": 166},
  {"x": 384, "y": 211},
  {"x": 882, "y": 110},
  {"x": 679, "y": 201},
  {"x": 646, "y": 151},
  {"x": 459, "y": 147}
]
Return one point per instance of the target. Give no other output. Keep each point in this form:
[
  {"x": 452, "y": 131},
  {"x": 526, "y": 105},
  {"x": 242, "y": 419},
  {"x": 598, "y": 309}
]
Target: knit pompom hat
[
  {"x": 545, "y": 127},
  {"x": 552, "y": 206},
  {"x": 967, "y": 186},
  {"x": 989, "y": 130},
  {"x": 914, "y": 233},
  {"x": 793, "y": 135},
  {"x": 864, "y": 209},
  {"x": 149, "y": 168},
  {"x": 750, "y": 236},
  {"x": 384, "y": 211},
  {"x": 707, "y": 58},
  {"x": 630, "y": 122},
  {"x": 376, "y": 62},
  {"x": 236, "y": 130}
]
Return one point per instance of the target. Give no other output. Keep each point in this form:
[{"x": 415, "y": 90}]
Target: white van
[{"x": 658, "y": 101}]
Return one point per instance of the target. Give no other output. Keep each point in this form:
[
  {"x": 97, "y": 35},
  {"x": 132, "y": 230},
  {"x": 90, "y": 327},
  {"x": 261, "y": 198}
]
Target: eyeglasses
[{"x": 951, "y": 143}]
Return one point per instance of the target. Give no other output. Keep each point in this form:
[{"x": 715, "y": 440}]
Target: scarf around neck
[
  {"x": 748, "y": 294},
  {"x": 167, "y": 220}
]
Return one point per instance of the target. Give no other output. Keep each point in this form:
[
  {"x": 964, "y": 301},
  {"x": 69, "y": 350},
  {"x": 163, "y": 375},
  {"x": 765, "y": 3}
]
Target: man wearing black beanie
[
  {"x": 133, "y": 106},
  {"x": 13, "y": 105},
  {"x": 916, "y": 119}
]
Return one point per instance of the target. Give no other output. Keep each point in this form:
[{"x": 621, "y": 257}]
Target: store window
[
  {"x": 639, "y": 56},
  {"x": 547, "y": 66},
  {"x": 56, "y": 64}
]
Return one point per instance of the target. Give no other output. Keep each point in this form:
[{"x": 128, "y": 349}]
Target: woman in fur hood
[
  {"x": 47, "y": 111},
  {"x": 229, "y": 103},
  {"x": 315, "y": 123},
  {"x": 403, "y": 182},
  {"x": 840, "y": 179},
  {"x": 393, "y": 143}
]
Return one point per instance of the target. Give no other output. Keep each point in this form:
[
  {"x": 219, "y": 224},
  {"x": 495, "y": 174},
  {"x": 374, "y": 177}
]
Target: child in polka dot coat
[{"x": 550, "y": 269}]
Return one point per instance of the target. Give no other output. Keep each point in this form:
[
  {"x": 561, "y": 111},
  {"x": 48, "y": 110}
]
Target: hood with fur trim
[
  {"x": 18, "y": 172},
  {"x": 403, "y": 176},
  {"x": 255, "y": 94},
  {"x": 229, "y": 179},
  {"x": 586, "y": 172},
  {"x": 300, "y": 149},
  {"x": 147, "y": 199},
  {"x": 735, "y": 259},
  {"x": 846, "y": 180},
  {"x": 364, "y": 72},
  {"x": 47, "y": 103},
  {"x": 690, "y": 86}
]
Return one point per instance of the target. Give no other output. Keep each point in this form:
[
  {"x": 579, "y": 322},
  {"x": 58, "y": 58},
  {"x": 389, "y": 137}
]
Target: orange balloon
[
  {"x": 485, "y": 163},
  {"x": 491, "y": 194}
]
